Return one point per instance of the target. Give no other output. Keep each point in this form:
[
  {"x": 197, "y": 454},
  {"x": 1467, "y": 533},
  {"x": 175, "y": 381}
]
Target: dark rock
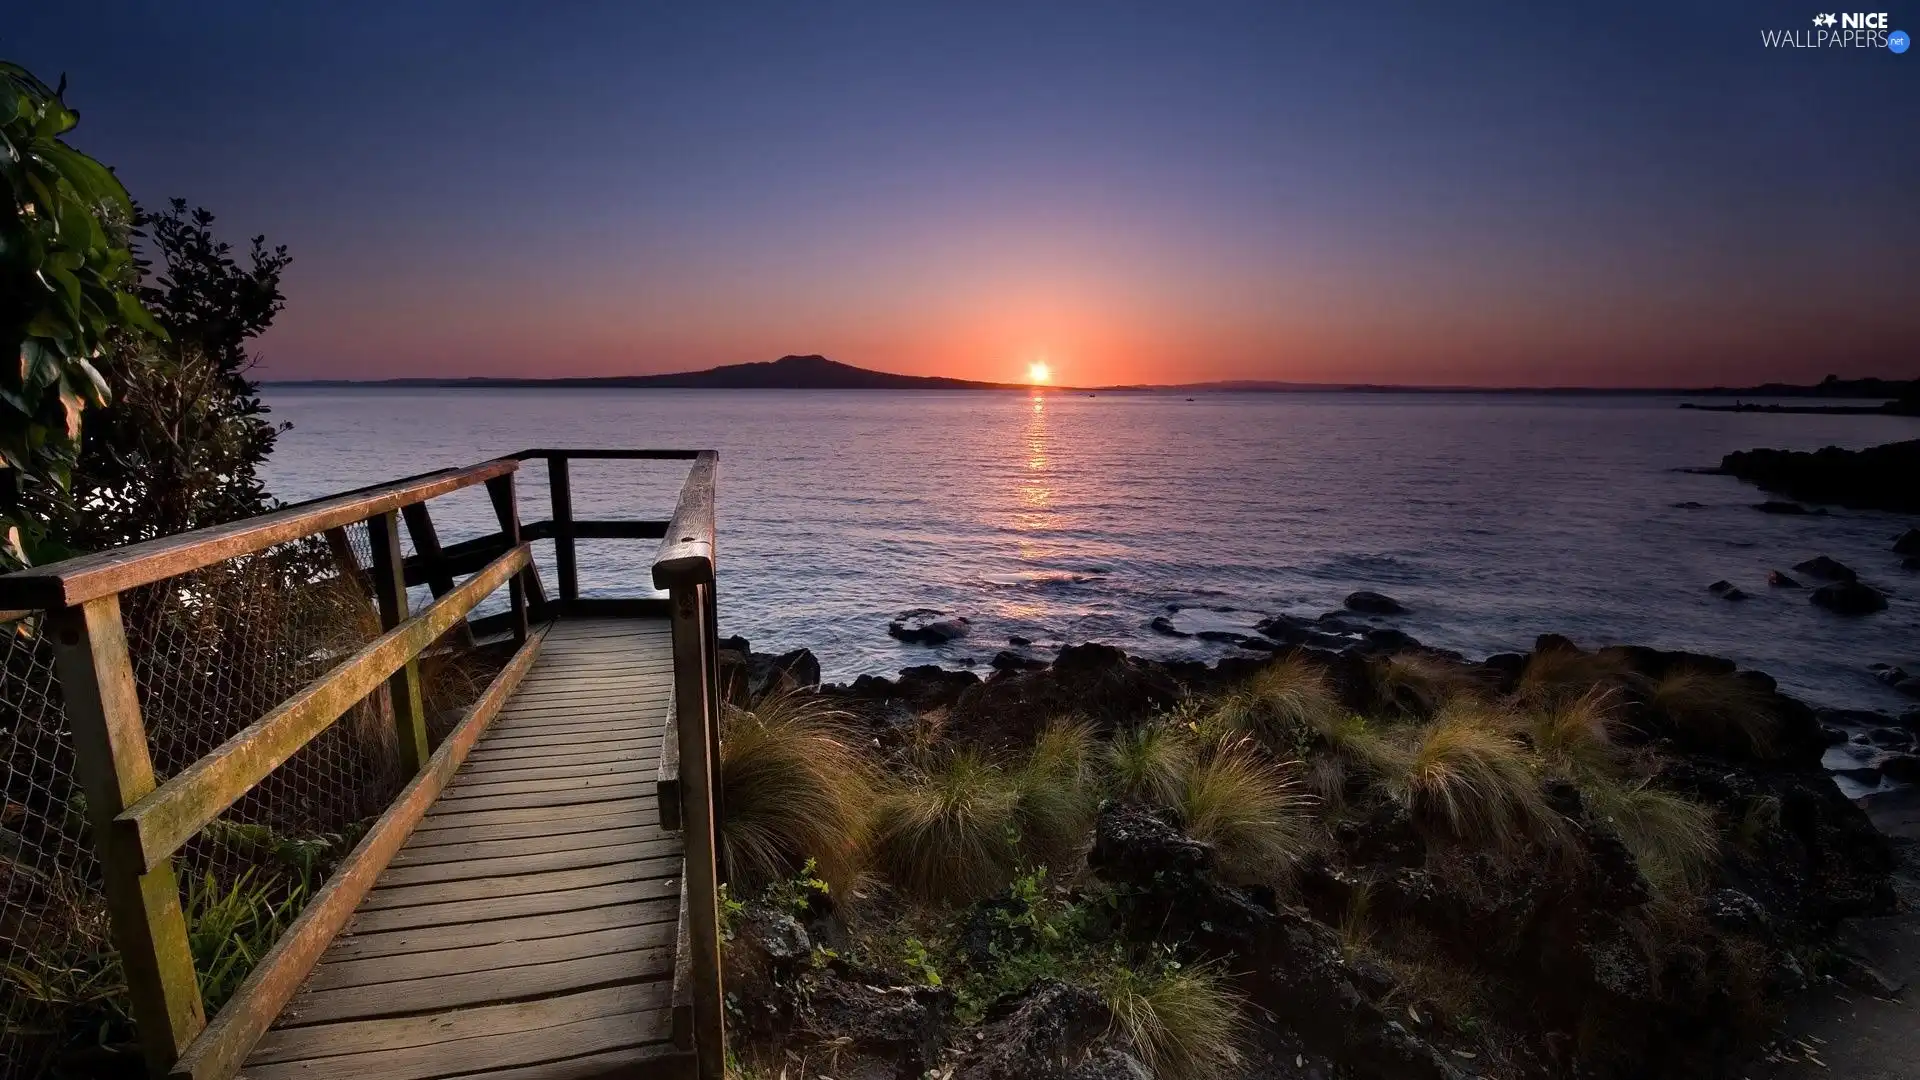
[
  {"x": 1908, "y": 543},
  {"x": 927, "y": 626},
  {"x": 1903, "y": 768},
  {"x": 931, "y": 684},
  {"x": 1554, "y": 643},
  {"x": 1877, "y": 478},
  {"x": 1257, "y": 644},
  {"x": 1689, "y": 505},
  {"x": 1019, "y": 642},
  {"x": 1731, "y": 909},
  {"x": 1163, "y": 625},
  {"x": 1889, "y": 738},
  {"x": 1388, "y": 639},
  {"x": 1781, "y": 581},
  {"x": 1050, "y": 1031},
  {"x": 756, "y": 675},
  {"x": 1777, "y": 506},
  {"x": 905, "y": 1025},
  {"x": 1827, "y": 569},
  {"x": 1911, "y": 562},
  {"x": 736, "y": 643},
  {"x": 1008, "y": 660},
  {"x": 1373, "y": 603},
  {"x": 1224, "y": 636},
  {"x": 1849, "y": 598},
  {"x": 1727, "y": 590},
  {"x": 1856, "y": 973},
  {"x": 1508, "y": 664}
]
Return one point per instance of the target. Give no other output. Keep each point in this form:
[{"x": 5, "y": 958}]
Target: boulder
[
  {"x": 1726, "y": 590},
  {"x": 1047, "y": 1033},
  {"x": 1904, "y": 768},
  {"x": 1018, "y": 642},
  {"x": 1908, "y": 543},
  {"x": 1008, "y": 660},
  {"x": 1849, "y": 598},
  {"x": 928, "y": 626},
  {"x": 931, "y": 684},
  {"x": 1373, "y": 603},
  {"x": 1781, "y": 581},
  {"x": 904, "y": 1025},
  {"x": 1689, "y": 505},
  {"x": 1827, "y": 569},
  {"x": 1877, "y": 478},
  {"x": 1911, "y": 563},
  {"x": 1163, "y": 625}
]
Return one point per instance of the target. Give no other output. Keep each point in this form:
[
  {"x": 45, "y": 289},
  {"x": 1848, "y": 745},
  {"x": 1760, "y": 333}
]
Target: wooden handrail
[
  {"x": 157, "y": 825},
  {"x": 89, "y": 577},
  {"x": 687, "y": 554},
  {"x": 612, "y": 454}
]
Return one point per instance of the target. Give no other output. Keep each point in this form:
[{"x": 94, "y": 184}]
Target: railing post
[
  {"x": 506, "y": 507},
  {"x": 564, "y": 562},
  {"x": 115, "y": 771},
  {"x": 695, "y": 721},
  {"x": 403, "y": 687}
]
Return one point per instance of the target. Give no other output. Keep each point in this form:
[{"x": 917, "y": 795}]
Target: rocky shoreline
[
  {"x": 1877, "y": 478},
  {"x": 1392, "y": 947}
]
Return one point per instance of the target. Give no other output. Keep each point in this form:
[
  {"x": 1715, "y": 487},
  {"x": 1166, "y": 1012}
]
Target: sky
[{"x": 1616, "y": 194}]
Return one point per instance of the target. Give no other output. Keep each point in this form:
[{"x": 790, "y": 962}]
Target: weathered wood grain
[
  {"x": 466, "y": 989},
  {"x": 495, "y": 931}
]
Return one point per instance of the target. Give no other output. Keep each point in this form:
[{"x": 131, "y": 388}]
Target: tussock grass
[
  {"x": 1674, "y": 840},
  {"x": 1186, "y": 1023},
  {"x": 1056, "y": 791},
  {"x": 951, "y": 833},
  {"x": 1417, "y": 685},
  {"x": 796, "y": 787},
  {"x": 1279, "y": 703},
  {"x": 1722, "y": 708},
  {"x": 1576, "y": 732},
  {"x": 1250, "y": 810},
  {"x": 1465, "y": 774},
  {"x": 1149, "y": 764},
  {"x": 1557, "y": 675}
]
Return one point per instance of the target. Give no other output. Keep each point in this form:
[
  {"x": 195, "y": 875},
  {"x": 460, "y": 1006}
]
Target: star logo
[{"x": 1824, "y": 20}]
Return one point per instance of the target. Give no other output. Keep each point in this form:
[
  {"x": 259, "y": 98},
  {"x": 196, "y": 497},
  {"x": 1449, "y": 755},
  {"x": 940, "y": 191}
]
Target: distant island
[{"x": 816, "y": 372}]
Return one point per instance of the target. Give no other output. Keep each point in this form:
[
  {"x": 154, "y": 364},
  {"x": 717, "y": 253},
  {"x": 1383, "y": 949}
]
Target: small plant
[
  {"x": 795, "y": 789},
  {"x": 1250, "y": 810},
  {"x": 1186, "y": 1022},
  {"x": 1720, "y": 707},
  {"x": 950, "y": 834},
  {"x": 1149, "y": 763},
  {"x": 1674, "y": 840},
  {"x": 1281, "y": 704},
  {"x": 1056, "y": 798},
  {"x": 229, "y": 929},
  {"x": 1465, "y": 774}
]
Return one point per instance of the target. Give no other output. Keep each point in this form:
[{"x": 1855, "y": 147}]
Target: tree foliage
[{"x": 66, "y": 278}]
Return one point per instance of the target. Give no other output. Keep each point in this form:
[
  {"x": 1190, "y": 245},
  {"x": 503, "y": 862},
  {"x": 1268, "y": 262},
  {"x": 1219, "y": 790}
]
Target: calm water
[{"x": 1068, "y": 518}]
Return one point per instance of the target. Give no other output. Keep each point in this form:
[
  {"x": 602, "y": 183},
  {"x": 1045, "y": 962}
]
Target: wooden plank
[
  {"x": 552, "y": 724},
  {"x": 622, "y": 833},
  {"x": 478, "y": 987},
  {"x": 588, "y": 765},
  {"x": 403, "y": 686},
  {"x": 580, "y": 736},
  {"x": 493, "y": 791},
  {"x": 535, "y": 1049},
  {"x": 426, "y": 545},
  {"x": 509, "y": 907},
  {"x": 113, "y": 768},
  {"x": 633, "y": 789},
  {"x": 666, "y": 784},
  {"x": 328, "y": 1040},
  {"x": 500, "y": 956},
  {"x": 426, "y": 939},
  {"x": 546, "y": 753},
  {"x": 650, "y": 1061},
  {"x": 220, "y": 1049},
  {"x": 557, "y": 881},
  {"x": 168, "y": 817},
  {"x": 625, "y": 628},
  {"x": 562, "y": 856},
  {"x": 615, "y": 816},
  {"x": 75, "y": 581}
]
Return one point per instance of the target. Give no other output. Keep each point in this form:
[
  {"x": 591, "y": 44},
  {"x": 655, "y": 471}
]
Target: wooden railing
[{"x": 139, "y": 826}]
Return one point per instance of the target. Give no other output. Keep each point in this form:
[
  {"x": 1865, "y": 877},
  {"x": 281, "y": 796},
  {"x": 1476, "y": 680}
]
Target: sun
[{"x": 1038, "y": 372}]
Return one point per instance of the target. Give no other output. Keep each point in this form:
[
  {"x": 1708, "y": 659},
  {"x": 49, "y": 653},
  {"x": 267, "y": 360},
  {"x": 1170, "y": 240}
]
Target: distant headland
[{"x": 815, "y": 372}]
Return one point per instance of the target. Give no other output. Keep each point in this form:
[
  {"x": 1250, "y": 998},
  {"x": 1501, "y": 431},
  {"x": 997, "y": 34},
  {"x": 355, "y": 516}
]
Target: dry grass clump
[
  {"x": 1149, "y": 764},
  {"x": 1279, "y": 703},
  {"x": 1674, "y": 840},
  {"x": 1186, "y": 1023},
  {"x": 1554, "y": 675},
  {"x": 1466, "y": 774},
  {"x": 1056, "y": 791},
  {"x": 1720, "y": 707},
  {"x": 1417, "y": 685},
  {"x": 951, "y": 833},
  {"x": 1249, "y": 810},
  {"x": 1576, "y": 732},
  {"x": 796, "y": 787}
]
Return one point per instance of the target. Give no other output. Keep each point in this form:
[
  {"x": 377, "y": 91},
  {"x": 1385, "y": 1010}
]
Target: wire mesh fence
[{"x": 213, "y": 651}]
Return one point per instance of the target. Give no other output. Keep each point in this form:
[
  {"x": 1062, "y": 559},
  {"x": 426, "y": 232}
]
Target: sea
[{"x": 1064, "y": 517}]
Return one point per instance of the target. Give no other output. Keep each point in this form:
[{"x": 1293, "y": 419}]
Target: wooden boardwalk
[{"x": 528, "y": 927}]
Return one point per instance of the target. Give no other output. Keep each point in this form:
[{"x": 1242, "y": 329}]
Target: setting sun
[{"x": 1037, "y": 372}]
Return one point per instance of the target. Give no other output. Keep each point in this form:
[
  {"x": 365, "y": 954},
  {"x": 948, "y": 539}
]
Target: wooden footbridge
[{"x": 540, "y": 899}]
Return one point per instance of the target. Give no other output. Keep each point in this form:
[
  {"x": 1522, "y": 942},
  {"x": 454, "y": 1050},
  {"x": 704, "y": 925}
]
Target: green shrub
[
  {"x": 795, "y": 788},
  {"x": 1149, "y": 764},
  {"x": 950, "y": 834},
  {"x": 1249, "y": 810}
]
